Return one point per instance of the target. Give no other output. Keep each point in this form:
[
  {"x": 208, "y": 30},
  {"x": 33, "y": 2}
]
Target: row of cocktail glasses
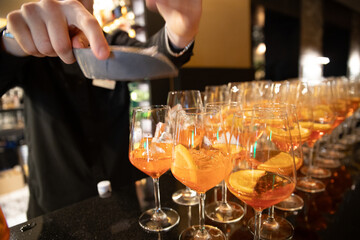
[{"x": 251, "y": 141}]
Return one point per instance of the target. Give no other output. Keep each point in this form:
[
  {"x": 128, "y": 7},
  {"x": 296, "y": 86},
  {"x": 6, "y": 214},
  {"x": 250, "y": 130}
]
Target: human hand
[
  {"x": 182, "y": 18},
  {"x": 53, "y": 28}
]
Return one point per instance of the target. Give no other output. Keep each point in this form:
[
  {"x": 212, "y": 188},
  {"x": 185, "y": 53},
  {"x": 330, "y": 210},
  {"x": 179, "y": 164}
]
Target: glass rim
[
  {"x": 151, "y": 107},
  {"x": 263, "y": 110},
  {"x": 275, "y": 106},
  {"x": 223, "y": 103},
  {"x": 200, "y": 110},
  {"x": 183, "y": 91}
]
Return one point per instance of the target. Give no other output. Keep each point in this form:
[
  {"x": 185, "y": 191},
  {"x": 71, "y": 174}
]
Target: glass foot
[
  {"x": 224, "y": 212},
  {"x": 328, "y": 163},
  {"x": 161, "y": 221},
  {"x": 348, "y": 140},
  {"x": 292, "y": 203},
  {"x": 333, "y": 153},
  {"x": 315, "y": 172},
  {"x": 210, "y": 233},
  {"x": 310, "y": 185},
  {"x": 186, "y": 197},
  {"x": 273, "y": 228}
]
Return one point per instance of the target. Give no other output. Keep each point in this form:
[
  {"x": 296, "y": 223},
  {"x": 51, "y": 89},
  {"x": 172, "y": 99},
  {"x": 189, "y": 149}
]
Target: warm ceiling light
[
  {"x": 323, "y": 60},
  {"x": 261, "y": 49}
]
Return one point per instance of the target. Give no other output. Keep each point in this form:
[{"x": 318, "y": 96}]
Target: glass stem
[
  {"x": 159, "y": 215},
  {"x": 271, "y": 212},
  {"x": 257, "y": 225},
  {"x": 202, "y": 233},
  {"x": 202, "y": 214},
  {"x": 311, "y": 157},
  {"x": 157, "y": 194},
  {"x": 223, "y": 192},
  {"x": 317, "y": 150}
]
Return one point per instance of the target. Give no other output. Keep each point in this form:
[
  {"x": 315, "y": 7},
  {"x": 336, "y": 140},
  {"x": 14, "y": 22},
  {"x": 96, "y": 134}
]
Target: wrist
[
  {"x": 176, "y": 50},
  {"x": 178, "y": 42}
]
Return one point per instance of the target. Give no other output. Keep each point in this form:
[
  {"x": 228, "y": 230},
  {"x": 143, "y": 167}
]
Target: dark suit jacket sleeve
[{"x": 121, "y": 38}]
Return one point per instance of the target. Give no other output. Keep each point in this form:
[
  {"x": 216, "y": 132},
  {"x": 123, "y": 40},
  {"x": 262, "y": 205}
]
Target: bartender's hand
[
  {"x": 52, "y": 28},
  {"x": 182, "y": 18}
]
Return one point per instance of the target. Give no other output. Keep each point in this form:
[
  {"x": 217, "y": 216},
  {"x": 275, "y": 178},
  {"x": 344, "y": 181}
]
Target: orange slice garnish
[
  {"x": 184, "y": 163},
  {"x": 234, "y": 149},
  {"x": 245, "y": 180},
  {"x": 321, "y": 127},
  {"x": 281, "y": 163}
]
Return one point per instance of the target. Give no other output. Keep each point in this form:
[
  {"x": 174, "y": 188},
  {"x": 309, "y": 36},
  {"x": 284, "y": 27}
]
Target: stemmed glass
[
  {"x": 225, "y": 211},
  {"x": 151, "y": 148},
  {"x": 216, "y": 93},
  {"x": 266, "y": 174},
  {"x": 340, "y": 101},
  {"x": 285, "y": 92},
  {"x": 354, "y": 97},
  {"x": 323, "y": 119},
  {"x": 197, "y": 164},
  {"x": 276, "y": 227},
  {"x": 255, "y": 92},
  {"x": 179, "y": 100},
  {"x": 305, "y": 103}
]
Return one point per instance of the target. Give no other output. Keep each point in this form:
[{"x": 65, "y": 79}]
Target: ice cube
[
  {"x": 173, "y": 111},
  {"x": 207, "y": 142},
  {"x": 159, "y": 128},
  {"x": 162, "y": 133},
  {"x": 156, "y": 149}
]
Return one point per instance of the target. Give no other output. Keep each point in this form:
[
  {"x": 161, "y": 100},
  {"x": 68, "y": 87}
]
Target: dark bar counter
[{"x": 333, "y": 214}]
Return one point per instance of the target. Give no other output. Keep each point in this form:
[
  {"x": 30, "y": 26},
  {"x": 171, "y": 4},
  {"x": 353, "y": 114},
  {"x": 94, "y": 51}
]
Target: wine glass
[
  {"x": 276, "y": 227},
  {"x": 225, "y": 211},
  {"x": 354, "y": 96},
  {"x": 216, "y": 93},
  {"x": 151, "y": 146},
  {"x": 179, "y": 100},
  {"x": 255, "y": 92},
  {"x": 286, "y": 92},
  {"x": 330, "y": 153},
  {"x": 266, "y": 175},
  {"x": 298, "y": 135},
  {"x": 197, "y": 164},
  {"x": 303, "y": 99},
  {"x": 323, "y": 118}
]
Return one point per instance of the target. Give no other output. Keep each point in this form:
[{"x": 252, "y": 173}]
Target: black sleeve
[{"x": 158, "y": 39}]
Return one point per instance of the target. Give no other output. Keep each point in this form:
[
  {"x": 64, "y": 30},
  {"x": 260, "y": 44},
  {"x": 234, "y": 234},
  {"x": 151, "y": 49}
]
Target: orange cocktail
[
  {"x": 319, "y": 130},
  {"x": 199, "y": 161},
  {"x": 154, "y": 159},
  {"x": 354, "y": 105},
  {"x": 259, "y": 188},
  {"x": 199, "y": 169},
  {"x": 341, "y": 107},
  {"x": 281, "y": 137},
  {"x": 151, "y": 151}
]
